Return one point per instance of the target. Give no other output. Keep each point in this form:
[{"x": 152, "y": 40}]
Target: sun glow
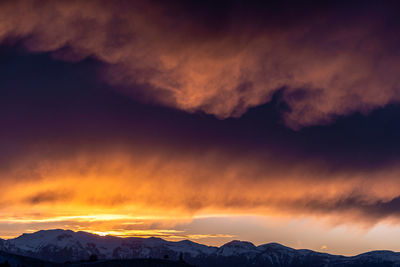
[{"x": 78, "y": 218}]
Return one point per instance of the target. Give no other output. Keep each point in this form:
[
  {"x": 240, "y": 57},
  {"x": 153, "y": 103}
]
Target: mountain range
[{"x": 69, "y": 248}]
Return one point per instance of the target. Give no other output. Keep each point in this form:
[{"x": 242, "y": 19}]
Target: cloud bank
[
  {"x": 331, "y": 58},
  {"x": 136, "y": 182}
]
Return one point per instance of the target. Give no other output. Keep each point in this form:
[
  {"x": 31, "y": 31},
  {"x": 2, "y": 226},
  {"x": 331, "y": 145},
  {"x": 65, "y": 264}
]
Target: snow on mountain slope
[
  {"x": 61, "y": 238},
  {"x": 237, "y": 247},
  {"x": 380, "y": 254},
  {"x": 66, "y": 245},
  {"x": 195, "y": 249}
]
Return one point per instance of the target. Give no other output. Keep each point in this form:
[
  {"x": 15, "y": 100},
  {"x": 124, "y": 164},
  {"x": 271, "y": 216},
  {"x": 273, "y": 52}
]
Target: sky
[{"x": 265, "y": 121}]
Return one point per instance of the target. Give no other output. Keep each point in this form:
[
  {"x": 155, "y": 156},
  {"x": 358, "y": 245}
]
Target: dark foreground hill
[
  {"x": 11, "y": 260},
  {"x": 52, "y": 248}
]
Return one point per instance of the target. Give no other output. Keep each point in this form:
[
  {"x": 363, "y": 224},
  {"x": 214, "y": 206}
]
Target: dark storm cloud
[
  {"x": 63, "y": 104},
  {"x": 222, "y": 57},
  {"x": 45, "y": 130}
]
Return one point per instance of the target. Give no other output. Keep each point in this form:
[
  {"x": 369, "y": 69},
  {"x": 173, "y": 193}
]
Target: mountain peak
[
  {"x": 60, "y": 245},
  {"x": 237, "y": 247},
  {"x": 239, "y": 243}
]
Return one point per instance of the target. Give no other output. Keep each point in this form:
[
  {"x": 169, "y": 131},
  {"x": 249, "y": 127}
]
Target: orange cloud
[
  {"x": 327, "y": 65},
  {"x": 126, "y": 186}
]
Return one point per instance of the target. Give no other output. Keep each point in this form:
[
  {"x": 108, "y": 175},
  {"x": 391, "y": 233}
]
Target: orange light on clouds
[{"x": 123, "y": 194}]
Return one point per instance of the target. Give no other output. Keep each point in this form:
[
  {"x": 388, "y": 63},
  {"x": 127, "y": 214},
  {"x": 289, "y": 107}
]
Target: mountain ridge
[{"x": 60, "y": 246}]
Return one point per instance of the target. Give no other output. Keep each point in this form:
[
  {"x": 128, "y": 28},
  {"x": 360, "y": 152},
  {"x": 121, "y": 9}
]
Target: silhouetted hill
[
  {"x": 131, "y": 263},
  {"x": 18, "y": 260},
  {"x": 12, "y": 260}
]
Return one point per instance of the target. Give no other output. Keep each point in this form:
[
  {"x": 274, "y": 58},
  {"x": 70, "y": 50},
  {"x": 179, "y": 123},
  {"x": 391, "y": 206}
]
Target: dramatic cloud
[
  {"x": 110, "y": 116},
  {"x": 84, "y": 150},
  {"x": 331, "y": 59},
  {"x": 183, "y": 185}
]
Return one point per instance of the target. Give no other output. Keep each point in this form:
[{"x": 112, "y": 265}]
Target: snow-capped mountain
[{"x": 65, "y": 245}]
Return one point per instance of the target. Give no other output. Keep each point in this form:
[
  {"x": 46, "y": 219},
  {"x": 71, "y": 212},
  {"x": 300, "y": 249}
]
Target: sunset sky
[{"x": 265, "y": 121}]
